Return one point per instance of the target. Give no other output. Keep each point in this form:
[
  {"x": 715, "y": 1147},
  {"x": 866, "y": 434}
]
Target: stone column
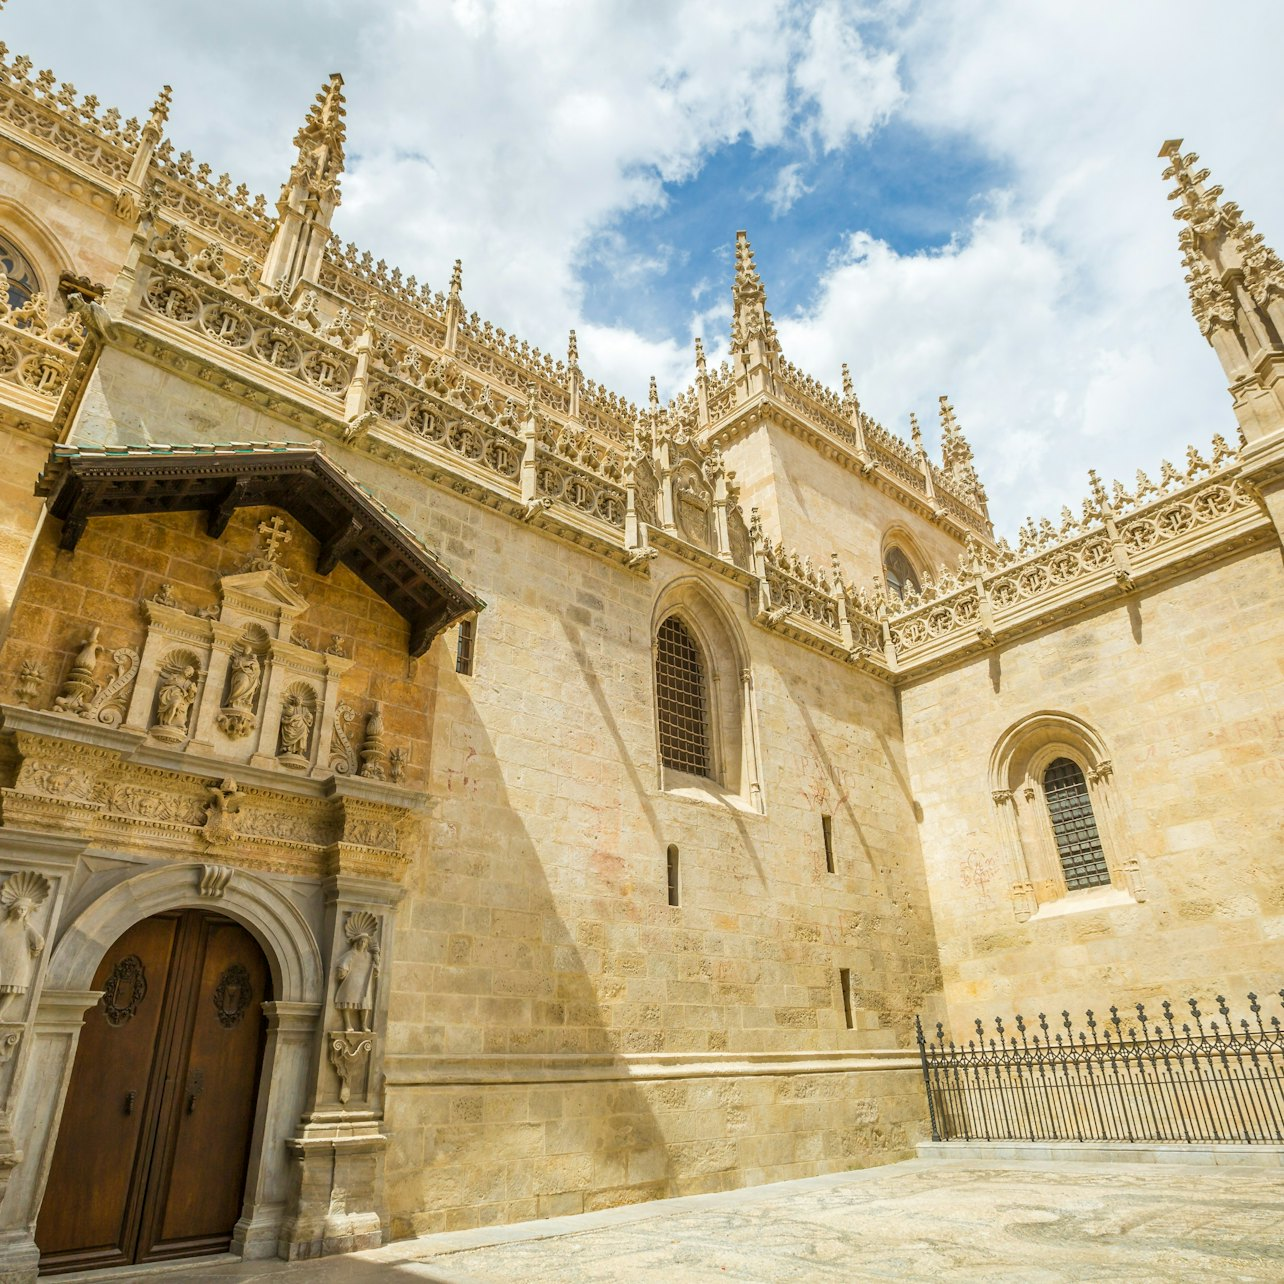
[
  {"x": 284, "y": 1082},
  {"x": 54, "y": 1034},
  {"x": 336, "y": 1198}
]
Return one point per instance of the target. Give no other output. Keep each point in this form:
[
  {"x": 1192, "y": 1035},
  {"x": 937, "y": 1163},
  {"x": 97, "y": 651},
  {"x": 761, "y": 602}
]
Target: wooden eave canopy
[{"x": 350, "y": 525}]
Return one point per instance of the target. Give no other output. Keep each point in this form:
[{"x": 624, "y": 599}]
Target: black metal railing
[{"x": 1122, "y": 1079}]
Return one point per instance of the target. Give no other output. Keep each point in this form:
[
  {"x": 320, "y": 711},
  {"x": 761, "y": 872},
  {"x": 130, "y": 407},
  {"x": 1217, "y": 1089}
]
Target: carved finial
[
  {"x": 916, "y": 435},
  {"x": 320, "y": 141},
  {"x": 849, "y": 389},
  {"x": 572, "y": 350},
  {"x": 374, "y": 755},
  {"x": 456, "y": 279},
  {"x": 1099, "y": 496},
  {"x": 746, "y": 270},
  {"x": 1236, "y": 285},
  {"x": 701, "y": 366},
  {"x": 653, "y": 397},
  {"x": 160, "y": 109}
]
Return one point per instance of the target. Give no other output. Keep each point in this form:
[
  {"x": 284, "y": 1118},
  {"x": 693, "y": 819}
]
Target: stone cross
[{"x": 275, "y": 534}]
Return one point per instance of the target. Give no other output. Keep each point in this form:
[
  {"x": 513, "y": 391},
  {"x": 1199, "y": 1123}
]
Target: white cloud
[
  {"x": 515, "y": 133},
  {"x": 853, "y": 89},
  {"x": 1058, "y": 320},
  {"x": 787, "y": 190}
]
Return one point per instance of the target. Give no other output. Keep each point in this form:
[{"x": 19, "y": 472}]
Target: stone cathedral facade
[{"x": 435, "y": 791}]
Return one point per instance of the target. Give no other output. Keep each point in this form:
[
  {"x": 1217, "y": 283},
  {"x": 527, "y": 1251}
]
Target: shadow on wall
[{"x": 492, "y": 965}]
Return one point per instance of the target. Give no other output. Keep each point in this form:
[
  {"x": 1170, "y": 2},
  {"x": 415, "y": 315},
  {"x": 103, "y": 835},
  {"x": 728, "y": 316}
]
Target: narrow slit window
[
  {"x": 465, "y": 647},
  {"x": 827, "y": 831},
  {"x": 682, "y": 702},
  {"x": 1074, "y": 826},
  {"x": 845, "y": 985},
  {"x": 675, "y": 885}
]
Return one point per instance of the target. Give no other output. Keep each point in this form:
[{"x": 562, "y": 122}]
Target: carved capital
[{"x": 1002, "y": 796}]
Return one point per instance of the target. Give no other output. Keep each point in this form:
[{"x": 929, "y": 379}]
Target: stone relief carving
[
  {"x": 357, "y": 970},
  {"x": 374, "y": 756},
  {"x": 124, "y": 990},
  {"x": 348, "y": 1053},
  {"x": 343, "y": 759},
  {"x": 30, "y": 679},
  {"x": 20, "y": 943},
  {"x": 214, "y": 880},
  {"x": 84, "y": 695},
  {"x": 221, "y": 815}
]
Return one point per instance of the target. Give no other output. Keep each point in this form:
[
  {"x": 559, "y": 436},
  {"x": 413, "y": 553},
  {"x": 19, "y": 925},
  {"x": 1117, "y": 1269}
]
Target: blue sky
[
  {"x": 956, "y": 196},
  {"x": 910, "y": 188}
]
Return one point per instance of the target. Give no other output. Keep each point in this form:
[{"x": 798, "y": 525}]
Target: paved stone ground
[{"x": 925, "y": 1220}]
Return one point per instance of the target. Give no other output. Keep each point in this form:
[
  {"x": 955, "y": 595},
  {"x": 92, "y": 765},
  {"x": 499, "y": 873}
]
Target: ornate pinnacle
[
  {"x": 746, "y": 270},
  {"x": 701, "y": 366},
  {"x": 849, "y": 389},
  {"x": 955, "y": 451},
  {"x": 916, "y": 435},
  {"x": 320, "y": 141},
  {"x": 160, "y": 109},
  {"x": 653, "y": 397},
  {"x": 456, "y": 278},
  {"x": 572, "y": 350}
]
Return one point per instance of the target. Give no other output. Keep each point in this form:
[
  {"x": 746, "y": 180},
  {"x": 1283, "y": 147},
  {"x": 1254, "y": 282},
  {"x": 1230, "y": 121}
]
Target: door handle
[
  {"x": 195, "y": 1086},
  {"x": 130, "y": 1098}
]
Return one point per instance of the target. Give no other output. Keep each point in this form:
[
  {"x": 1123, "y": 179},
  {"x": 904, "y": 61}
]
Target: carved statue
[
  {"x": 356, "y": 971},
  {"x": 20, "y": 943},
  {"x": 296, "y": 726},
  {"x": 174, "y": 701},
  {"x": 244, "y": 684}
]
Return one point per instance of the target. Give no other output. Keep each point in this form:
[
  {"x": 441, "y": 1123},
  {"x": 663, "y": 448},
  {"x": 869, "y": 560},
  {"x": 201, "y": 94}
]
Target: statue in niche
[
  {"x": 20, "y": 944},
  {"x": 174, "y": 701},
  {"x": 356, "y": 971},
  {"x": 237, "y": 716},
  {"x": 296, "y": 727}
]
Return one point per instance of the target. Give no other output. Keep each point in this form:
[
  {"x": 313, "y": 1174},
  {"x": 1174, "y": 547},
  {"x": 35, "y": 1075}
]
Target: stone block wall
[
  {"x": 1185, "y": 685},
  {"x": 482, "y": 1155},
  {"x": 536, "y": 919},
  {"x": 819, "y": 507}
]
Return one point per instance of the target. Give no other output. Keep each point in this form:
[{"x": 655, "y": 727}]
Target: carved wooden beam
[
  {"x": 332, "y": 551},
  {"x": 229, "y": 501}
]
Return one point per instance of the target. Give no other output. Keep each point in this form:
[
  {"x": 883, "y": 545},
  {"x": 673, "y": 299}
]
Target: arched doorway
[{"x": 151, "y": 1156}]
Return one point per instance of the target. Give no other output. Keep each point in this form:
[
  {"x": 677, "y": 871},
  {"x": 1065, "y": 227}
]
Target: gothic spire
[
  {"x": 320, "y": 141},
  {"x": 958, "y": 461},
  {"x": 311, "y": 193},
  {"x": 754, "y": 346},
  {"x": 1236, "y": 291}
]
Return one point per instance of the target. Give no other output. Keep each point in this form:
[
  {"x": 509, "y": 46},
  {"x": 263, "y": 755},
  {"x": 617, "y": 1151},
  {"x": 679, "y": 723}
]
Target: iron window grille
[
  {"x": 681, "y": 700},
  {"x": 1074, "y": 826},
  {"x": 465, "y": 646}
]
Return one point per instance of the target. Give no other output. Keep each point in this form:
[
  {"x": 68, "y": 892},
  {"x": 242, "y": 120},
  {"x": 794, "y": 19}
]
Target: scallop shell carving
[
  {"x": 360, "y": 923},
  {"x": 26, "y": 886}
]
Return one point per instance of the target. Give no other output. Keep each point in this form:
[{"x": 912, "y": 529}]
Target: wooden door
[{"x": 152, "y": 1149}]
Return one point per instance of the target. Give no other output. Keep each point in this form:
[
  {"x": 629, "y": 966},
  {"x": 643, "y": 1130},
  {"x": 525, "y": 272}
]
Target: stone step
[{"x": 1105, "y": 1152}]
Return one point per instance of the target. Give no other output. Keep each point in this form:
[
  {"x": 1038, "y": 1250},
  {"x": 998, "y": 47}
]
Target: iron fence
[{"x": 1121, "y": 1079}]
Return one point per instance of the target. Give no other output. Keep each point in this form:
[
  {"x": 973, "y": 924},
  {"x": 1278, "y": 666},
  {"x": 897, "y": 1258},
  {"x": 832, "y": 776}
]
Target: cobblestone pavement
[{"x": 925, "y": 1220}]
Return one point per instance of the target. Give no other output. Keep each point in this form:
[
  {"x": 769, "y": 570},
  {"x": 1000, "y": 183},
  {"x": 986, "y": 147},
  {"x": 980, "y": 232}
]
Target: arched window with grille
[
  {"x": 1074, "y": 826},
  {"x": 20, "y": 276},
  {"x": 899, "y": 572},
  {"x": 682, "y": 700}
]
